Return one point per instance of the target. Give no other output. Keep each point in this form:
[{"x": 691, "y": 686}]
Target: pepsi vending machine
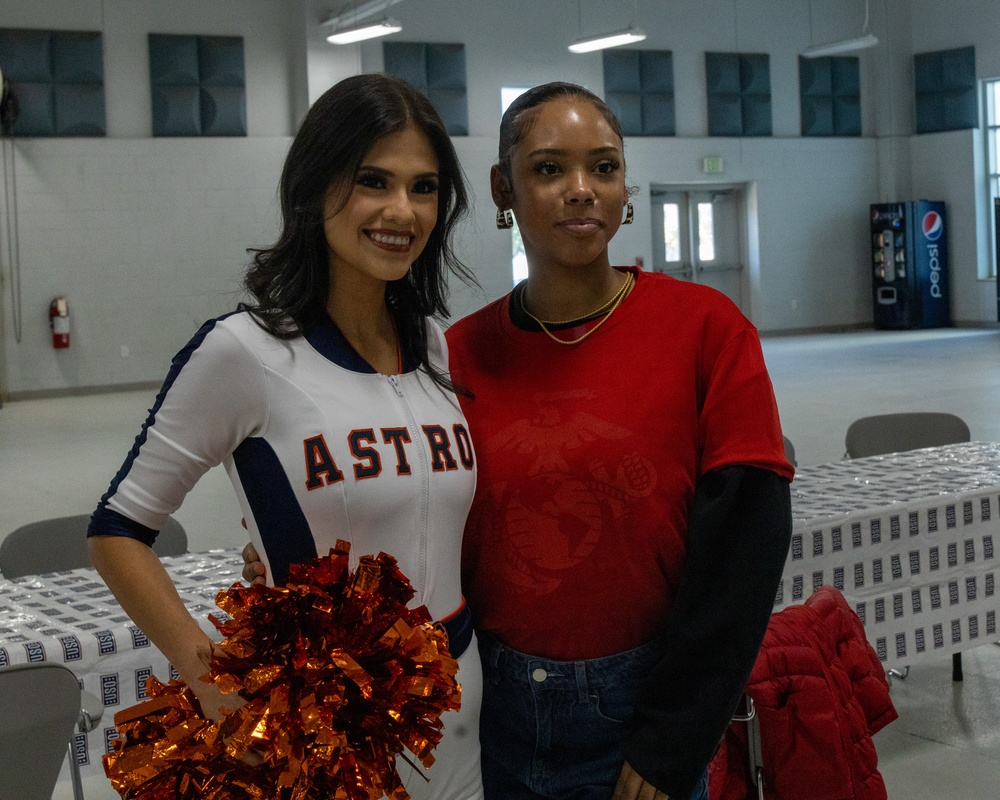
[{"x": 910, "y": 265}]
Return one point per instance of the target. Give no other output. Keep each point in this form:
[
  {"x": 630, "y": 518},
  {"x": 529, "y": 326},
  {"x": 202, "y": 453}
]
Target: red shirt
[{"x": 588, "y": 456}]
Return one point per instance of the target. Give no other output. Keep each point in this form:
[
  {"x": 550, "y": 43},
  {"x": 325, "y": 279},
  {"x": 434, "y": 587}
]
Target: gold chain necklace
[
  {"x": 614, "y": 302},
  {"x": 611, "y": 301}
]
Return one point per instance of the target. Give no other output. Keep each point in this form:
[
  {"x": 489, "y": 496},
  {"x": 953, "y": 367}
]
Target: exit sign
[{"x": 711, "y": 164}]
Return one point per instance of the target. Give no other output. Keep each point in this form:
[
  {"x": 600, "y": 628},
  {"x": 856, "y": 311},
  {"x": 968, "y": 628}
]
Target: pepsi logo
[{"x": 933, "y": 226}]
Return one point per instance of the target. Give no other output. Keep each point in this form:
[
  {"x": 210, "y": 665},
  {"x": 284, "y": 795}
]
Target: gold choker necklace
[{"x": 614, "y": 302}]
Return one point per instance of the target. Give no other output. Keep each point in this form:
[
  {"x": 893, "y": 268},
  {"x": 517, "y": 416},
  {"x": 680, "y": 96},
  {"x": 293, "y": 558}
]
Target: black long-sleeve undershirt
[{"x": 740, "y": 528}]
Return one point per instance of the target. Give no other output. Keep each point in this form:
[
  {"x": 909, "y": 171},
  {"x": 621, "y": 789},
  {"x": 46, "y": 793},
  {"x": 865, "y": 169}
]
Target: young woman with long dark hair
[{"x": 327, "y": 397}]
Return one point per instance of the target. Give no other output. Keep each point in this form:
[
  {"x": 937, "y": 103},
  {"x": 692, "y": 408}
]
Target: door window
[
  {"x": 699, "y": 236},
  {"x": 706, "y": 233},
  {"x": 671, "y": 232}
]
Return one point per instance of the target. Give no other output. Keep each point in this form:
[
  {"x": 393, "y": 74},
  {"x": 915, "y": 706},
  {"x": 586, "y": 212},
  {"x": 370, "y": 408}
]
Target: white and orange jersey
[{"x": 318, "y": 446}]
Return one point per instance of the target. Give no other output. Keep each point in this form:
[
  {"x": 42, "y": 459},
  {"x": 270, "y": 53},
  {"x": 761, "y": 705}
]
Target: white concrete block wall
[{"x": 147, "y": 237}]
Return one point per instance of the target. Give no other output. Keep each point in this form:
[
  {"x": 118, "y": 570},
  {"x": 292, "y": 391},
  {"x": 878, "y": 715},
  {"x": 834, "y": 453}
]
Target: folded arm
[{"x": 740, "y": 528}]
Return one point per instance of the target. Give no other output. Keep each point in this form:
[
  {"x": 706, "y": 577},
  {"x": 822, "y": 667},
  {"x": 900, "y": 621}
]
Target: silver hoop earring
[
  {"x": 505, "y": 219},
  {"x": 629, "y": 214}
]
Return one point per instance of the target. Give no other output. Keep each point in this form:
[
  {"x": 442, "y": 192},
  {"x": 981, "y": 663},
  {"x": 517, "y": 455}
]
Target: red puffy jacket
[{"x": 820, "y": 693}]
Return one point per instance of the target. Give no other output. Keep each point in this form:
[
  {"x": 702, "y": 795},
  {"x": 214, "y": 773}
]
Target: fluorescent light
[
  {"x": 353, "y": 15},
  {"x": 839, "y": 48},
  {"x": 606, "y": 40},
  {"x": 368, "y": 30}
]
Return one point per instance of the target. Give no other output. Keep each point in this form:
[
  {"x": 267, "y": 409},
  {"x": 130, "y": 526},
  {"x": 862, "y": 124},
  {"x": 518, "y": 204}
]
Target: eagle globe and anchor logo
[{"x": 932, "y": 226}]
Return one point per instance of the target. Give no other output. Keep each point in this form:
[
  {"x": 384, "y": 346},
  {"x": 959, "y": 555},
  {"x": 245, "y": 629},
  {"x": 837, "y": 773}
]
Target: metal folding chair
[
  {"x": 894, "y": 433},
  {"x": 790, "y": 451},
  {"x": 756, "y": 758},
  {"x": 57, "y": 544},
  {"x": 43, "y": 707}
]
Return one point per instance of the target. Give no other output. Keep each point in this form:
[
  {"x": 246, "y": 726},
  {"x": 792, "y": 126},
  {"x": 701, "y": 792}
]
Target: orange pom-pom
[{"x": 335, "y": 675}]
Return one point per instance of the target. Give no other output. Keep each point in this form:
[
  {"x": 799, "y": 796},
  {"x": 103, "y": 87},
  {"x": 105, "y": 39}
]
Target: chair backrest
[
  {"x": 894, "y": 433},
  {"x": 41, "y": 704},
  {"x": 61, "y": 543},
  {"x": 790, "y": 451}
]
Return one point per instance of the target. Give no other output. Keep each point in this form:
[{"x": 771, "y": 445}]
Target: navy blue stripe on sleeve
[
  {"x": 106, "y": 522},
  {"x": 283, "y": 527},
  {"x": 178, "y": 363}
]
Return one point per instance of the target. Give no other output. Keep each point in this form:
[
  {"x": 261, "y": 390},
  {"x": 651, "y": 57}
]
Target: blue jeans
[{"x": 552, "y": 730}]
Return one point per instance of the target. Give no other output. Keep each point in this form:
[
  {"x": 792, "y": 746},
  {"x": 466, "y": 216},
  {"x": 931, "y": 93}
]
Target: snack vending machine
[{"x": 910, "y": 265}]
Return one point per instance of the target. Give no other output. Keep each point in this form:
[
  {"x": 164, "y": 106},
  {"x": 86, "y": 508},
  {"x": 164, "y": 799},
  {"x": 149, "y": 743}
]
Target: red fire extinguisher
[{"x": 59, "y": 320}]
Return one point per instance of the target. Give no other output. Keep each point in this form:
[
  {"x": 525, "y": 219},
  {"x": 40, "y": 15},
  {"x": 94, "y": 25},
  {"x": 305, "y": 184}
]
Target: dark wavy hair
[
  {"x": 290, "y": 280},
  {"x": 517, "y": 119}
]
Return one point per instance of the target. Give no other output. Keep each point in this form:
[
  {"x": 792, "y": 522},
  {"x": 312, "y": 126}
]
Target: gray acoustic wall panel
[
  {"x": 79, "y": 109},
  {"x": 176, "y": 111},
  {"x": 198, "y": 85},
  {"x": 58, "y": 79},
  {"x": 223, "y": 110},
  {"x": 639, "y": 88},
  {"x": 220, "y": 61},
  {"x": 26, "y": 54},
  {"x": 738, "y": 88},
  {"x": 830, "y": 96},
  {"x": 437, "y": 70},
  {"x": 77, "y": 58},
  {"x": 173, "y": 60},
  {"x": 944, "y": 84},
  {"x": 407, "y": 61}
]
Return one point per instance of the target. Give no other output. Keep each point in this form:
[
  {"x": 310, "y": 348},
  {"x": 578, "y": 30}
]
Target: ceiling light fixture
[
  {"x": 606, "y": 40},
  {"x": 366, "y": 30},
  {"x": 862, "y": 42},
  {"x": 839, "y": 48},
  {"x": 354, "y": 13}
]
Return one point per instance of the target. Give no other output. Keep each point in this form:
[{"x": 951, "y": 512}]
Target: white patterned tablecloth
[
  {"x": 71, "y": 617},
  {"x": 909, "y": 539}
]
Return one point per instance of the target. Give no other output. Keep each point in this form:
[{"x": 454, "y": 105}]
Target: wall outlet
[
  {"x": 795, "y": 303},
  {"x": 123, "y": 351}
]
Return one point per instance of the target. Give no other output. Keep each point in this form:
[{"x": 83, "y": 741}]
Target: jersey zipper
[{"x": 424, "y": 479}]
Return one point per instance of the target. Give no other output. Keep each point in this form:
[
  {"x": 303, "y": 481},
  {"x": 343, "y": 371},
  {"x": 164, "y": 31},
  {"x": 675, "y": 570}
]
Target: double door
[{"x": 699, "y": 235}]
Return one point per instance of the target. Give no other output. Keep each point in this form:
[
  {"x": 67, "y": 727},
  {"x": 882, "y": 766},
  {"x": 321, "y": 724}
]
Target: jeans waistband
[{"x": 546, "y": 674}]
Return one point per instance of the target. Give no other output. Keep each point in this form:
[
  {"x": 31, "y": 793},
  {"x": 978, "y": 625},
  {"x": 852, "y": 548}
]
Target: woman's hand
[
  {"x": 253, "y": 567},
  {"x": 213, "y": 700},
  {"x": 631, "y": 786}
]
